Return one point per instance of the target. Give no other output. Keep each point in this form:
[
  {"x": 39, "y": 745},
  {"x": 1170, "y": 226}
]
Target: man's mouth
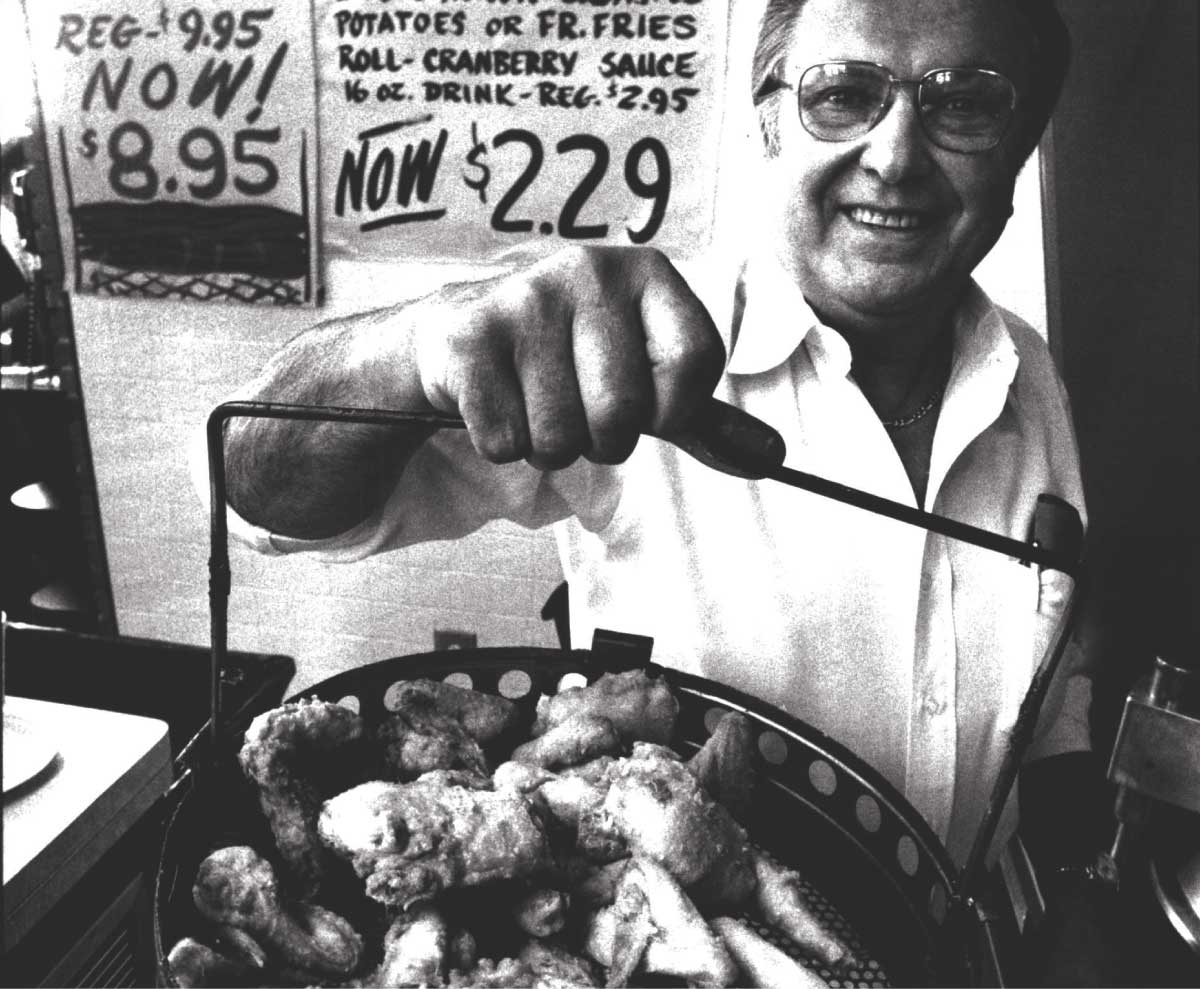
[{"x": 892, "y": 219}]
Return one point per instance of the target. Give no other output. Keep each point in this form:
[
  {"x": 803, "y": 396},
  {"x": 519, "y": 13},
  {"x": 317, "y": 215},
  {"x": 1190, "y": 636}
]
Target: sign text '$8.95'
[
  {"x": 132, "y": 173},
  {"x": 214, "y": 164}
]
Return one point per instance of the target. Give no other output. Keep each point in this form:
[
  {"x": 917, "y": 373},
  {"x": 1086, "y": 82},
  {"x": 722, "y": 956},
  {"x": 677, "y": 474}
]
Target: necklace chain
[{"x": 917, "y": 416}]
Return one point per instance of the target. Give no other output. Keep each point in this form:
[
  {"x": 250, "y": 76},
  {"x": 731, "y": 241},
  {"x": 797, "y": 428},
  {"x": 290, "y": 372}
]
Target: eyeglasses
[{"x": 964, "y": 110}]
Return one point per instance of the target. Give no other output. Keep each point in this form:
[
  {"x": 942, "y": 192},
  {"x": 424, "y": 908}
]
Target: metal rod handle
[{"x": 219, "y": 576}]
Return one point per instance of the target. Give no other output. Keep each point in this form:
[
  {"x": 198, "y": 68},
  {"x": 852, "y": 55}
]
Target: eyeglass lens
[{"x": 960, "y": 109}]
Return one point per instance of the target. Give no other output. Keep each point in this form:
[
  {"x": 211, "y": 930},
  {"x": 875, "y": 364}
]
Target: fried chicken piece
[
  {"x": 648, "y": 804},
  {"x": 409, "y": 841},
  {"x": 485, "y": 716},
  {"x": 235, "y": 943},
  {"x": 521, "y": 776},
  {"x": 658, "y": 810},
  {"x": 653, "y": 926},
  {"x": 593, "y": 884},
  {"x": 576, "y": 739},
  {"x": 542, "y": 912},
  {"x": 564, "y": 799},
  {"x": 760, "y": 961},
  {"x": 725, "y": 765},
  {"x": 571, "y": 799},
  {"x": 641, "y": 709},
  {"x": 418, "y": 738},
  {"x": 415, "y": 949},
  {"x": 290, "y": 753},
  {"x": 437, "y": 725},
  {"x": 236, "y": 886},
  {"x": 193, "y": 965},
  {"x": 554, "y": 967},
  {"x": 489, "y": 974},
  {"x": 779, "y": 899}
]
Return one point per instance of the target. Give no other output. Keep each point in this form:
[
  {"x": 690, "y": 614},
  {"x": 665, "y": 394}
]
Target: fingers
[
  {"x": 577, "y": 355},
  {"x": 543, "y": 354},
  {"x": 685, "y": 350},
  {"x": 615, "y": 384},
  {"x": 492, "y": 405}
]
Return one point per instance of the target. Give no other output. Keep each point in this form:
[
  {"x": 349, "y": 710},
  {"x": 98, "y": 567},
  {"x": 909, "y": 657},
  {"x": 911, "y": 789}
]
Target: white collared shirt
[{"x": 911, "y": 649}]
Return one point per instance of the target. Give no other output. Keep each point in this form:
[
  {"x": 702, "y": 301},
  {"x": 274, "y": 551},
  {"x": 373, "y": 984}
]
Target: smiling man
[{"x": 892, "y": 137}]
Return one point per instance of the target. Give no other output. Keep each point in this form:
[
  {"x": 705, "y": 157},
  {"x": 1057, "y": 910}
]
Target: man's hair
[{"x": 1050, "y": 55}]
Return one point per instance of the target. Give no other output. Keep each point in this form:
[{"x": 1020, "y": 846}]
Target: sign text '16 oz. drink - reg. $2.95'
[{"x": 467, "y": 126}]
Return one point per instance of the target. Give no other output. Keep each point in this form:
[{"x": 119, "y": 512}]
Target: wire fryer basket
[{"x": 875, "y": 872}]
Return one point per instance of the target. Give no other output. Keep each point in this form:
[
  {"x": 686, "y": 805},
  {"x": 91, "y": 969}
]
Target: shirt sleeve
[
  {"x": 1064, "y": 721},
  {"x": 445, "y": 492}
]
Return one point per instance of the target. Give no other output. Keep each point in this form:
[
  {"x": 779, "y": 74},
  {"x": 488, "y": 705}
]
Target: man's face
[{"x": 888, "y": 224}]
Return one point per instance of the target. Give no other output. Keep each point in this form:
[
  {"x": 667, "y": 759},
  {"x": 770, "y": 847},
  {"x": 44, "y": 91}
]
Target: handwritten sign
[
  {"x": 452, "y": 128},
  {"x": 183, "y": 145}
]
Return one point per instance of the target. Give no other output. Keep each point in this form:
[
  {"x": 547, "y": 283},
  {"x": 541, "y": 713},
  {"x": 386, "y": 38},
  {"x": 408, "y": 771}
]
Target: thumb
[{"x": 730, "y": 440}]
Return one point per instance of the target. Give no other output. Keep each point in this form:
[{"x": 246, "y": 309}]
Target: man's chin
[{"x": 883, "y": 300}]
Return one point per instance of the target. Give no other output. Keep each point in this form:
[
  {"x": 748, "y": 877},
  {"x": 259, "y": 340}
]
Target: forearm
[
  {"x": 316, "y": 479},
  {"x": 576, "y": 355}
]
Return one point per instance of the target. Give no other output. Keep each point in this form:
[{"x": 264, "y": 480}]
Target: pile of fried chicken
[{"x": 591, "y": 854}]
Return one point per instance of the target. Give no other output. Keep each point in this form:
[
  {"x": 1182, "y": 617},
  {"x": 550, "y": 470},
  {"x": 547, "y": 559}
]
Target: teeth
[{"x": 897, "y": 221}]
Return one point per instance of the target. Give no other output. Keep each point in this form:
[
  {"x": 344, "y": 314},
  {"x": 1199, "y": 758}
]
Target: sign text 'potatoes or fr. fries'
[{"x": 466, "y": 126}]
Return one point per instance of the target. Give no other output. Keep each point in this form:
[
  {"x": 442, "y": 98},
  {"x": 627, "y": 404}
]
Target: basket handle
[{"x": 219, "y": 577}]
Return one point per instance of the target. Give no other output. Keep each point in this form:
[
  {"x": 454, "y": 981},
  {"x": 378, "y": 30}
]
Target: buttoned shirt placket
[{"x": 984, "y": 367}]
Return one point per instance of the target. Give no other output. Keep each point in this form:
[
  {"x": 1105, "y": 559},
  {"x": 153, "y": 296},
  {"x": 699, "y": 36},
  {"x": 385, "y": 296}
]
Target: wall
[
  {"x": 1123, "y": 173},
  {"x": 151, "y": 372}
]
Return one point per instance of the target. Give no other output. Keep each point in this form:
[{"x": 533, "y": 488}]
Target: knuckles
[
  {"x": 606, "y": 271},
  {"x": 501, "y": 443},
  {"x": 507, "y": 352},
  {"x": 616, "y": 420}
]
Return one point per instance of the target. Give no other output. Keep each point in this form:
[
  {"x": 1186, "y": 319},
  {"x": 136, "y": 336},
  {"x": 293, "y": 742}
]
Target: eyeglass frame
[{"x": 885, "y": 107}]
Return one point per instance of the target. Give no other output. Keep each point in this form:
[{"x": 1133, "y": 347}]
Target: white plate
[{"x": 27, "y": 750}]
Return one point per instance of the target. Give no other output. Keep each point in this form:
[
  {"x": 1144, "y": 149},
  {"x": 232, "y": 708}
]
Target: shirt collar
[
  {"x": 982, "y": 341},
  {"x": 776, "y": 319}
]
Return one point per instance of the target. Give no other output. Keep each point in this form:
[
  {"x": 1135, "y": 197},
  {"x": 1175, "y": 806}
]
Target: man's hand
[{"x": 575, "y": 356}]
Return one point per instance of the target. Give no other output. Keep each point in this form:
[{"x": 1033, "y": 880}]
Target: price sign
[
  {"x": 453, "y": 128},
  {"x": 183, "y": 145}
]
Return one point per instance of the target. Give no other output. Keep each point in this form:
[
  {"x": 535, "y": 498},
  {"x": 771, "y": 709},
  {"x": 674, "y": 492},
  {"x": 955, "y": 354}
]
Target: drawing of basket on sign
[{"x": 243, "y": 252}]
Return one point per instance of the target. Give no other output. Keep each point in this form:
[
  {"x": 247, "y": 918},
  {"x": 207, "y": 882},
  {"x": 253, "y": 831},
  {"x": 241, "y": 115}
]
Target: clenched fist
[{"x": 575, "y": 356}]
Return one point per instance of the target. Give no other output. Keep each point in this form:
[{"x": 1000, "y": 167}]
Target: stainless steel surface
[
  {"x": 1156, "y": 766},
  {"x": 1157, "y": 750},
  {"x": 1177, "y": 888}
]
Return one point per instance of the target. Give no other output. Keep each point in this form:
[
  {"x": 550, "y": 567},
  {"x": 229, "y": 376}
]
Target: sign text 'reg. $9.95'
[
  {"x": 182, "y": 141},
  {"x": 463, "y": 127}
]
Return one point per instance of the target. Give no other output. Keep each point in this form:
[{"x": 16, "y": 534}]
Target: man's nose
[{"x": 896, "y": 147}]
